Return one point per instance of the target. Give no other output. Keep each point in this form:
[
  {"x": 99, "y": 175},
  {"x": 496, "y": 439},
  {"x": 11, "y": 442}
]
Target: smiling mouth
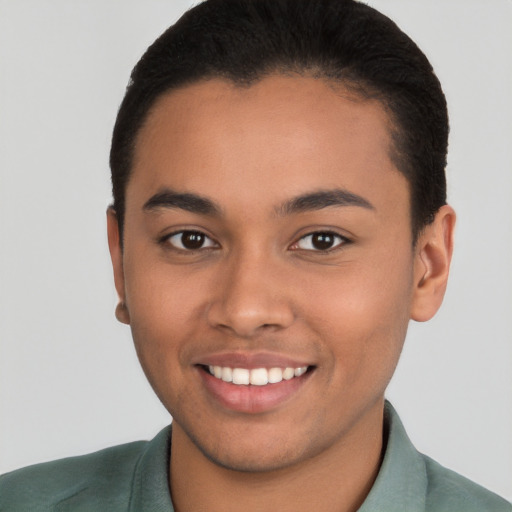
[
  {"x": 250, "y": 386},
  {"x": 255, "y": 376}
]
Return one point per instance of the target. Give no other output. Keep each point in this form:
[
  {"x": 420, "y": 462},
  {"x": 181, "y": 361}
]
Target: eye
[
  {"x": 190, "y": 241},
  {"x": 320, "y": 241}
]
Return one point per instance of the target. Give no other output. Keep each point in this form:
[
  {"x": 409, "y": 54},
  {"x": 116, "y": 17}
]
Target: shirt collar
[
  {"x": 150, "y": 487},
  {"x": 401, "y": 484}
]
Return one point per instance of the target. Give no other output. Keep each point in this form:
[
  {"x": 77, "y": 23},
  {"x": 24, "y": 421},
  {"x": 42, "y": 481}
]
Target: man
[{"x": 279, "y": 215}]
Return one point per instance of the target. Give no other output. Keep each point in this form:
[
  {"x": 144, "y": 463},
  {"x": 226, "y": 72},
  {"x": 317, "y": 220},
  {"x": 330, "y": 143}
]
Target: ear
[
  {"x": 116, "y": 255},
  {"x": 433, "y": 254}
]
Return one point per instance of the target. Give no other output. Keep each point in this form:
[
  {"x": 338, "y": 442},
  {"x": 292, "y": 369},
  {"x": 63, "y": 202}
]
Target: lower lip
[{"x": 252, "y": 399}]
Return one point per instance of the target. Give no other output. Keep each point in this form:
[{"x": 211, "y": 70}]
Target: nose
[{"x": 251, "y": 296}]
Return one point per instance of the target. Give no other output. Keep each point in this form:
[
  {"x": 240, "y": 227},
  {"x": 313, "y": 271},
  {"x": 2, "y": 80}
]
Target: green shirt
[{"x": 134, "y": 477}]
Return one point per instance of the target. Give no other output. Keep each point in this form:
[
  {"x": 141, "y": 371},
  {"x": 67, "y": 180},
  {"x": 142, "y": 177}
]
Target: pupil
[
  {"x": 192, "y": 240},
  {"x": 323, "y": 241}
]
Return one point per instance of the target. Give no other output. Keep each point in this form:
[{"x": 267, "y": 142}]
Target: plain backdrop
[{"x": 69, "y": 379}]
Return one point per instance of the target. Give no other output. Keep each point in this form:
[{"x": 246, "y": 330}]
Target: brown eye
[
  {"x": 320, "y": 241},
  {"x": 191, "y": 240}
]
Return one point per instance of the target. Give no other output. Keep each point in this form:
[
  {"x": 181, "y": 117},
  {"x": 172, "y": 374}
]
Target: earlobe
[
  {"x": 122, "y": 313},
  {"x": 116, "y": 255},
  {"x": 433, "y": 255}
]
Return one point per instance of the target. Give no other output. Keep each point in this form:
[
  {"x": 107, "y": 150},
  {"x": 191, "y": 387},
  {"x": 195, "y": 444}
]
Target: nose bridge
[{"x": 250, "y": 293}]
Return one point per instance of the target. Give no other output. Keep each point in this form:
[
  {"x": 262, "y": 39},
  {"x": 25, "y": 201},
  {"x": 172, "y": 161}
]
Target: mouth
[
  {"x": 253, "y": 390},
  {"x": 255, "y": 376}
]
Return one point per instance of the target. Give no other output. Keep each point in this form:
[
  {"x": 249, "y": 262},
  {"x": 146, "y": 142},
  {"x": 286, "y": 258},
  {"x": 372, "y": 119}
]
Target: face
[{"x": 268, "y": 268}]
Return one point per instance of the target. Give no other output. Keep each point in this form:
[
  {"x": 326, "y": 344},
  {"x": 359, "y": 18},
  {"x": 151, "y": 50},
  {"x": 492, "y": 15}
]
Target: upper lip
[{"x": 250, "y": 360}]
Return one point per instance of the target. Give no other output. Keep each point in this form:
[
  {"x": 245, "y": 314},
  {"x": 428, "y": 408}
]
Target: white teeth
[
  {"x": 259, "y": 377},
  {"x": 300, "y": 371},
  {"x": 288, "y": 373},
  {"x": 241, "y": 376},
  {"x": 256, "y": 376},
  {"x": 227, "y": 374},
  {"x": 275, "y": 375}
]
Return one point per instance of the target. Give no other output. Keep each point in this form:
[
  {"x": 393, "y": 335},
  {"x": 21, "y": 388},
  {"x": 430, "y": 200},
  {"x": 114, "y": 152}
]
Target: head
[
  {"x": 343, "y": 42},
  {"x": 278, "y": 173}
]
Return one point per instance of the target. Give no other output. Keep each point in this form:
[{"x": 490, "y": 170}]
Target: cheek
[
  {"x": 160, "y": 296},
  {"x": 165, "y": 314},
  {"x": 363, "y": 312}
]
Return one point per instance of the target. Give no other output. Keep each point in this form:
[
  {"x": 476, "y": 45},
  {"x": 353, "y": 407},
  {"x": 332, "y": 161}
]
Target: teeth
[
  {"x": 227, "y": 374},
  {"x": 241, "y": 376},
  {"x": 257, "y": 376},
  {"x": 300, "y": 371},
  {"x": 275, "y": 375},
  {"x": 288, "y": 373}
]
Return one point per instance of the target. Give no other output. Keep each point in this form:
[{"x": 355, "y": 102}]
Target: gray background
[{"x": 69, "y": 379}]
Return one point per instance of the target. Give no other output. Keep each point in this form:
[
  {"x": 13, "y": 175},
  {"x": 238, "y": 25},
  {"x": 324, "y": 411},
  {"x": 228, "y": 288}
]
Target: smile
[
  {"x": 253, "y": 384},
  {"x": 255, "y": 376}
]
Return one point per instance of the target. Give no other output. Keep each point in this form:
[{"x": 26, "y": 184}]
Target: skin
[{"x": 258, "y": 285}]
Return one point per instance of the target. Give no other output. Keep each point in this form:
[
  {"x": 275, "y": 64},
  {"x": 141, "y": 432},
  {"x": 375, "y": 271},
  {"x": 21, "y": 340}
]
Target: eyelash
[{"x": 202, "y": 237}]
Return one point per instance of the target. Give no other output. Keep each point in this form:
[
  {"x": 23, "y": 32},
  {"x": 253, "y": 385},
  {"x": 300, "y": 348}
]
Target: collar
[
  {"x": 150, "y": 487},
  {"x": 402, "y": 482}
]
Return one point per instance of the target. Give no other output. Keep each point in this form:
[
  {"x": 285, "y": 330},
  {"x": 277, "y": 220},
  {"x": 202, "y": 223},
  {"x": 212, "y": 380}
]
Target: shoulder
[
  {"x": 447, "y": 491},
  {"x": 48, "y": 485}
]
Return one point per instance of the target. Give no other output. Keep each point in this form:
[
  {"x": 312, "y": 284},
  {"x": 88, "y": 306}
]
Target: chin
[
  {"x": 257, "y": 452},
  {"x": 252, "y": 463}
]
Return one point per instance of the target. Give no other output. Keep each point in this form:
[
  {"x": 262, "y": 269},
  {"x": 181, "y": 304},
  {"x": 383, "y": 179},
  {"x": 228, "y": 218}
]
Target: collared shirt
[{"x": 134, "y": 478}]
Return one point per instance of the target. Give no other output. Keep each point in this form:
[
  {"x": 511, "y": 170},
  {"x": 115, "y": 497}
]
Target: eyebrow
[
  {"x": 194, "y": 203},
  {"x": 185, "y": 201},
  {"x": 323, "y": 199}
]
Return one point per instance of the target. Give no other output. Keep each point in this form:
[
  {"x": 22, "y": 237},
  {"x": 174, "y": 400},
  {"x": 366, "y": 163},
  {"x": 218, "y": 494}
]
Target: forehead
[{"x": 281, "y": 134}]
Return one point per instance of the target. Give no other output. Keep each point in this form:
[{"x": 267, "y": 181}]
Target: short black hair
[{"x": 341, "y": 41}]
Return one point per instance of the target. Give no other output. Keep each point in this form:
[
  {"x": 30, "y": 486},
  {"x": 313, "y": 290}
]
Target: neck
[{"x": 338, "y": 479}]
